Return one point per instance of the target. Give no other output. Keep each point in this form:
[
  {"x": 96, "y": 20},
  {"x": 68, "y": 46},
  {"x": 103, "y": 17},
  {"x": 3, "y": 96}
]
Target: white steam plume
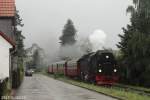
[
  {"x": 94, "y": 42},
  {"x": 70, "y": 51},
  {"x": 97, "y": 39}
]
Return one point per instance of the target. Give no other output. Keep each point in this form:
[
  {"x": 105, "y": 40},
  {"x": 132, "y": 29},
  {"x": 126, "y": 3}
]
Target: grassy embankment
[
  {"x": 118, "y": 93},
  {"x": 136, "y": 87}
]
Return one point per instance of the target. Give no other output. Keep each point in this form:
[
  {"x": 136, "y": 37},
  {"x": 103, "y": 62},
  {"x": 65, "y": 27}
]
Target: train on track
[{"x": 97, "y": 67}]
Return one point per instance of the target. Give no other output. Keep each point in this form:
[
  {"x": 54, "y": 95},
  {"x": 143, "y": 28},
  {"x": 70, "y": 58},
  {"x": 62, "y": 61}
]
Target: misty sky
[{"x": 44, "y": 19}]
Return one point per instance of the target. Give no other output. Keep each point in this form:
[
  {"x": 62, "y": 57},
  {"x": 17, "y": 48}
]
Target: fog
[{"x": 44, "y": 20}]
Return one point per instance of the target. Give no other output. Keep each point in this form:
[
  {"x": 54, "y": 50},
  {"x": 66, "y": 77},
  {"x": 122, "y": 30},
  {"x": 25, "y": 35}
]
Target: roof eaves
[{"x": 9, "y": 40}]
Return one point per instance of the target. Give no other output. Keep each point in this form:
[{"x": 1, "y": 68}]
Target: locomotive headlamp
[
  {"x": 107, "y": 57},
  {"x": 100, "y": 70},
  {"x": 115, "y": 70}
]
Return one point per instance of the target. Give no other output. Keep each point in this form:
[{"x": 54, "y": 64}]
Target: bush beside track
[{"x": 120, "y": 93}]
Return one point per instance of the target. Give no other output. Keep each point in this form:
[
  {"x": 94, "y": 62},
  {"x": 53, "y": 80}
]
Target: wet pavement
[{"x": 40, "y": 87}]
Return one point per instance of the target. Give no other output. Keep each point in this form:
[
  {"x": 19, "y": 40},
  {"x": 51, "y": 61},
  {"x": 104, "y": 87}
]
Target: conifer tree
[
  {"x": 135, "y": 43},
  {"x": 68, "y": 34}
]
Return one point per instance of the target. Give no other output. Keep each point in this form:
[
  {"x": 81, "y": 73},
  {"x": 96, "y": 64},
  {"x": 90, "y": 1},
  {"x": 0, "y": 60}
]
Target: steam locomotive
[{"x": 97, "y": 67}]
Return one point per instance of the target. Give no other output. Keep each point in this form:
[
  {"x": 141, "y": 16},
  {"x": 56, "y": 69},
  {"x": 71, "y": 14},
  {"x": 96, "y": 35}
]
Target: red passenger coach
[
  {"x": 54, "y": 67},
  {"x": 58, "y": 67},
  {"x": 50, "y": 69},
  {"x": 72, "y": 68},
  {"x": 61, "y": 66}
]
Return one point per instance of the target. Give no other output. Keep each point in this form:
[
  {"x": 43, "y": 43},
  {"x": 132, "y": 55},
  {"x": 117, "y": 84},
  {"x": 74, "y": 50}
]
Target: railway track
[{"x": 132, "y": 89}]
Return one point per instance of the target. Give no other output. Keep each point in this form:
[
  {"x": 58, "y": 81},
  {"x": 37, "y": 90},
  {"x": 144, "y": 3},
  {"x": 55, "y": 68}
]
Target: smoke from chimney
[{"x": 97, "y": 39}]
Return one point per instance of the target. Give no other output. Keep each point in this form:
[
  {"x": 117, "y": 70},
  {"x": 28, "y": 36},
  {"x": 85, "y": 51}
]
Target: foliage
[
  {"x": 18, "y": 35},
  {"x": 135, "y": 44},
  {"x": 5, "y": 88},
  {"x": 36, "y": 58},
  {"x": 18, "y": 74},
  {"x": 18, "y": 20},
  {"x": 69, "y": 34},
  {"x": 19, "y": 54}
]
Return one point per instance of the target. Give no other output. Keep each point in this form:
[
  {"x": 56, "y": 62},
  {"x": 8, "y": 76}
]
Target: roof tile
[{"x": 7, "y": 8}]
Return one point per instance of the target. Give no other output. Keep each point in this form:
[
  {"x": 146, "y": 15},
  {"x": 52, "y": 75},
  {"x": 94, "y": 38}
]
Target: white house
[{"x": 5, "y": 45}]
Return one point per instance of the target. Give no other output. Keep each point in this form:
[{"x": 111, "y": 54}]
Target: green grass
[
  {"x": 122, "y": 94},
  {"x": 118, "y": 93},
  {"x": 136, "y": 87}
]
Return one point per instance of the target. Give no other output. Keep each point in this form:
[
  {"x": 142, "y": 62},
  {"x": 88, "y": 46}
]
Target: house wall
[
  {"x": 6, "y": 27},
  {"x": 4, "y": 58}
]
